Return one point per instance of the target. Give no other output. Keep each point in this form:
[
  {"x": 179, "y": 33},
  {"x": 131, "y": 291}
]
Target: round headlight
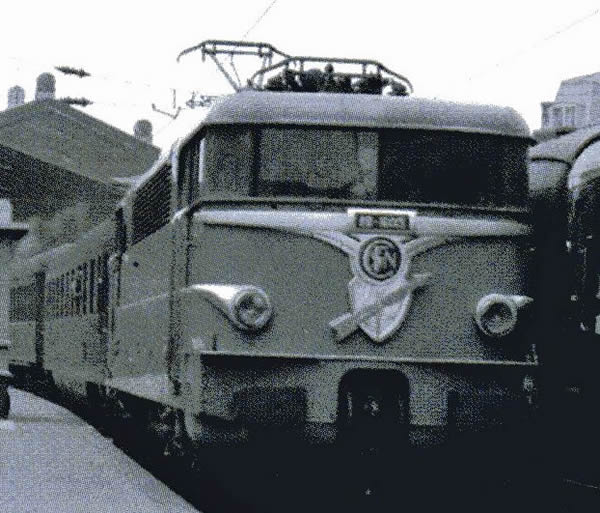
[
  {"x": 496, "y": 315},
  {"x": 251, "y": 309}
]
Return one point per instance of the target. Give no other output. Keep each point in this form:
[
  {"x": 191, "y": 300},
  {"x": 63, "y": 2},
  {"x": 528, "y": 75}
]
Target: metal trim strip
[
  {"x": 311, "y": 222},
  {"x": 373, "y": 359}
]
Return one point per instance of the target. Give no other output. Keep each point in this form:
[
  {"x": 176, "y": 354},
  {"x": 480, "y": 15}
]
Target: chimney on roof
[
  {"x": 45, "y": 87},
  {"x": 16, "y": 96},
  {"x": 143, "y": 130}
]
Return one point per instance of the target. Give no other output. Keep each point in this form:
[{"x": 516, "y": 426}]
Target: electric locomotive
[{"x": 316, "y": 256}]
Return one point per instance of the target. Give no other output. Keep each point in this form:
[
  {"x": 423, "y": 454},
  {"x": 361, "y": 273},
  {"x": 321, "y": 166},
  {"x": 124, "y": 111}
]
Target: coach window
[
  {"x": 84, "y": 294},
  {"x": 56, "y": 297},
  {"x": 63, "y": 286},
  {"x": 59, "y": 292},
  {"x": 66, "y": 294},
  {"x": 52, "y": 290},
  {"x": 191, "y": 171},
  {"x": 100, "y": 282},
  {"x": 70, "y": 288},
  {"x": 121, "y": 230},
  {"x": 73, "y": 290},
  {"x": 48, "y": 297},
  {"x": 92, "y": 284},
  {"x": 77, "y": 285}
]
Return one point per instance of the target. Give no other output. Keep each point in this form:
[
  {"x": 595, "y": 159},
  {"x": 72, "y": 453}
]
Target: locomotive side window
[
  {"x": 191, "y": 171},
  {"x": 229, "y": 156}
]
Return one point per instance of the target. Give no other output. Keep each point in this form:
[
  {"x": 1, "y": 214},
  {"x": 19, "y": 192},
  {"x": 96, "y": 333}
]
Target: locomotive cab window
[{"x": 417, "y": 166}]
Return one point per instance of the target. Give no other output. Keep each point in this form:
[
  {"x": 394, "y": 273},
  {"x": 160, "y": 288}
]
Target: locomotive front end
[{"x": 352, "y": 269}]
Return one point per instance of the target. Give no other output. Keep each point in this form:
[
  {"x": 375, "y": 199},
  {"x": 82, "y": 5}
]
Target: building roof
[
  {"x": 369, "y": 111},
  {"x": 53, "y": 132},
  {"x": 591, "y": 77}
]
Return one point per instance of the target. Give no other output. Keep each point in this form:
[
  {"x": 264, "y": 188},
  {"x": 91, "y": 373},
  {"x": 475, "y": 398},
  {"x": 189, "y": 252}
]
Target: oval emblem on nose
[{"x": 380, "y": 258}]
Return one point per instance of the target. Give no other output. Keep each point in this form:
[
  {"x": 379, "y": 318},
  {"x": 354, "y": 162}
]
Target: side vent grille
[{"x": 151, "y": 206}]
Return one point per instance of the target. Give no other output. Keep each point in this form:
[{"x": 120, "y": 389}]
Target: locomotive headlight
[
  {"x": 247, "y": 307},
  {"x": 251, "y": 309},
  {"x": 497, "y": 315}
]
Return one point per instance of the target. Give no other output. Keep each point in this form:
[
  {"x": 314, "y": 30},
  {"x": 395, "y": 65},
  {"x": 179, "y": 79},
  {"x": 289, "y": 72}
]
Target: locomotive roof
[{"x": 364, "y": 110}]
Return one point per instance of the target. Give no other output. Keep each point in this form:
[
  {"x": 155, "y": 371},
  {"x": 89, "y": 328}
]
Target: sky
[{"x": 511, "y": 53}]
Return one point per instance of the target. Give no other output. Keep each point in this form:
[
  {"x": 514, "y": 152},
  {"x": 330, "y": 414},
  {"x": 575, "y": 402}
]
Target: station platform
[{"x": 52, "y": 461}]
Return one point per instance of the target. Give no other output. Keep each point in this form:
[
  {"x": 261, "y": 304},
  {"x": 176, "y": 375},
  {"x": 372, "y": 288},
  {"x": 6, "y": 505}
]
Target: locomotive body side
[{"x": 141, "y": 292}]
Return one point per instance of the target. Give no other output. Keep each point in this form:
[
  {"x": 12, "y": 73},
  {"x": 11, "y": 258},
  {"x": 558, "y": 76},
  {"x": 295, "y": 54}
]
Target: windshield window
[
  {"x": 388, "y": 165},
  {"x": 317, "y": 162},
  {"x": 452, "y": 167}
]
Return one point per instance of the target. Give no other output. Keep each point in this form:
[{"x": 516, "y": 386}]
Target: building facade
[{"x": 577, "y": 105}]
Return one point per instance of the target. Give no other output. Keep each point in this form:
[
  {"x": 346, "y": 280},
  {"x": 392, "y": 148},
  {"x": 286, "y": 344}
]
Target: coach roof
[
  {"x": 364, "y": 110},
  {"x": 565, "y": 148}
]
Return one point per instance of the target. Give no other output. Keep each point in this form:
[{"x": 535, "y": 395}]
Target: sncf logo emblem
[
  {"x": 383, "y": 283},
  {"x": 380, "y": 259}
]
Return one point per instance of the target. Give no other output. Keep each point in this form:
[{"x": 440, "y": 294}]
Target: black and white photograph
[{"x": 299, "y": 257}]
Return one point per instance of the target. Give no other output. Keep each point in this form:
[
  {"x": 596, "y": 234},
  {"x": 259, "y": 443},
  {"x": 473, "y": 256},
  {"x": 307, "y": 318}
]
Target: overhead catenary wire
[
  {"x": 259, "y": 19},
  {"x": 525, "y": 50}
]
